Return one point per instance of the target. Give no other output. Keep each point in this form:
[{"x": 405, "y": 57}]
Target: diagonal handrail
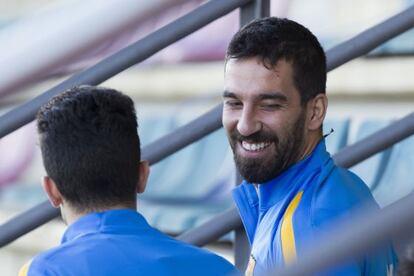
[
  {"x": 183, "y": 136},
  {"x": 371, "y": 38},
  {"x": 211, "y": 121}
]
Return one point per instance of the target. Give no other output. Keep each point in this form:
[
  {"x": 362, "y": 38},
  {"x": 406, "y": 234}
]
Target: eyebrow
[
  {"x": 227, "y": 94},
  {"x": 264, "y": 96},
  {"x": 273, "y": 96}
]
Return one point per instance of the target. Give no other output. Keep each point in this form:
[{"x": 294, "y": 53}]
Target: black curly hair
[
  {"x": 272, "y": 39},
  {"x": 90, "y": 146}
]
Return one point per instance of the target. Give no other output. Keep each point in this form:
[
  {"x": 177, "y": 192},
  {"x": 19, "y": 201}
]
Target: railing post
[
  {"x": 248, "y": 12},
  {"x": 254, "y": 9},
  {"x": 241, "y": 249},
  {"x": 241, "y": 243}
]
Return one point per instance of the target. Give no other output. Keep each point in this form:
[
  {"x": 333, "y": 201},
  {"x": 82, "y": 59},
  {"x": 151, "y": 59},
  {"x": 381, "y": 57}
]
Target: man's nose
[{"x": 248, "y": 123}]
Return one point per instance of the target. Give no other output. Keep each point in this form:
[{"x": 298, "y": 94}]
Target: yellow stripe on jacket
[
  {"x": 25, "y": 269},
  {"x": 287, "y": 231}
]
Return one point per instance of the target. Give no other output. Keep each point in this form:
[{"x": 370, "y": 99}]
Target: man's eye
[
  {"x": 271, "y": 106},
  {"x": 233, "y": 103}
]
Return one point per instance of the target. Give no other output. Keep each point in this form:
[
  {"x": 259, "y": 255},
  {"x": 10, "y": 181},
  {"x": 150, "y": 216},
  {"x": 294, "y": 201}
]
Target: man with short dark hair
[
  {"x": 274, "y": 107},
  {"x": 91, "y": 153}
]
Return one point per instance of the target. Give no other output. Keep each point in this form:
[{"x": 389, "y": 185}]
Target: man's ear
[
  {"x": 316, "y": 111},
  {"x": 144, "y": 170},
  {"x": 52, "y": 191}
]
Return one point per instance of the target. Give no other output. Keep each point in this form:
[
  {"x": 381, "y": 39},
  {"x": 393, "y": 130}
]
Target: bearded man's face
[{"x": 263, "y": 117}]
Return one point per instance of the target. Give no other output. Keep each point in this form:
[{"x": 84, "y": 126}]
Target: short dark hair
[
  {"x": 90, "y": 146},
  {"x": 272, "y": 39}
]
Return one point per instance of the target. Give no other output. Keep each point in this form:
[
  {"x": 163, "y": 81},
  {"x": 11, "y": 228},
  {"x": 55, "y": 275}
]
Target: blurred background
[{"x": 184, "y": 81}]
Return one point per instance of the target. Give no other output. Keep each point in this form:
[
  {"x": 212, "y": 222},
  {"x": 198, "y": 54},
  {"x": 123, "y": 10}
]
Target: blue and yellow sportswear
[{"x": 283, "y": 215}]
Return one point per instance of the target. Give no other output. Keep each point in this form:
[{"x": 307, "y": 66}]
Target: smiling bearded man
[{"x": 274, "y": 107}]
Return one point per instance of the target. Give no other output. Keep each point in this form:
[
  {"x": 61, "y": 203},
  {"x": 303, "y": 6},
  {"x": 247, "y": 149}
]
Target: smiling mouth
[{"x": 254, "y": 147}]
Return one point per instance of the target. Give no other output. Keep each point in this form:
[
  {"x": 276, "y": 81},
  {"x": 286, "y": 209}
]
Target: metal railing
[{"x": 207, "y": 123}]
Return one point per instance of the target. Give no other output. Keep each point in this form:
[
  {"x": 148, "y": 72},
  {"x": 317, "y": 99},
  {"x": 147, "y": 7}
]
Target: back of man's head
[
  {"x": 90, "y": 147},
  {"x": 272, "y": 39}
]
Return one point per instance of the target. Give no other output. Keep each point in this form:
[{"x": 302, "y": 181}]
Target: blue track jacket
[
  {"x": 282, "y": 215},
  {"x": 120, "y": 242}
]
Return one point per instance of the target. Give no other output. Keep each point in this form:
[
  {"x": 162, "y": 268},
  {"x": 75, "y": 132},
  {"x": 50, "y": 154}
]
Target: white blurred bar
[{"x": 46, "y": 40}]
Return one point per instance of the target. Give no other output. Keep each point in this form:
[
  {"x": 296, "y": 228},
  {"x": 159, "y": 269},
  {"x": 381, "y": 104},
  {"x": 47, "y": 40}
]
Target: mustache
[{"x": 260, "y": 136}]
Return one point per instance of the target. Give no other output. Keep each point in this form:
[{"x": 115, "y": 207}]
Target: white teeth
[{"x": 254, "y": 147}]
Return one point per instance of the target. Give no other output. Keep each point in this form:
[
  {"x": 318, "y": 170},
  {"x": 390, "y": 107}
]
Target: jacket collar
[
  {"x": 112, "y": 220},
  {"x": 291, "y": 180}
]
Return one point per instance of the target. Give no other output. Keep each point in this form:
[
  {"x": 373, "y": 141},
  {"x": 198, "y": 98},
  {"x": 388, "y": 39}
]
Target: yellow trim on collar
[
  {"x": 25, "y": 269},
  {"x": 287, "y": 232}
]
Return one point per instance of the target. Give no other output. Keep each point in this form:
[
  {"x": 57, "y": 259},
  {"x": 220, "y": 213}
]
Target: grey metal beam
[
  {"x": 241, "y": 244},
  {"x": 26, "y": 222},
  {"x": 248, "y": 12},
  {"x": 254, "y": 9},
  {"x": 370, "y": 38},
  {"x": 222, "y": 224},
  {"x": 241, "y": 249},
  {"x": 376, "y": 142},
  {"x": 183, "y": 136},
  {"x": 123, "y": 59}
]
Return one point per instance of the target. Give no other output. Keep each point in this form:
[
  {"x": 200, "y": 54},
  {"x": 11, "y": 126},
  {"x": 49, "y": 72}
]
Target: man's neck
[
  {"x": 310, "y": 146},
  {"x": 69, "y": 215}
]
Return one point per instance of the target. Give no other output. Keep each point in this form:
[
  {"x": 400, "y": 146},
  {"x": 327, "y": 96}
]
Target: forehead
[{"x": 250, "y": 76}]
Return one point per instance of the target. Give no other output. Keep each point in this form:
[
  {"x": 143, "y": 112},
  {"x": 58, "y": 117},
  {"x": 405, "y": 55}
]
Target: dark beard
[{"x": 286, "y": 153}]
